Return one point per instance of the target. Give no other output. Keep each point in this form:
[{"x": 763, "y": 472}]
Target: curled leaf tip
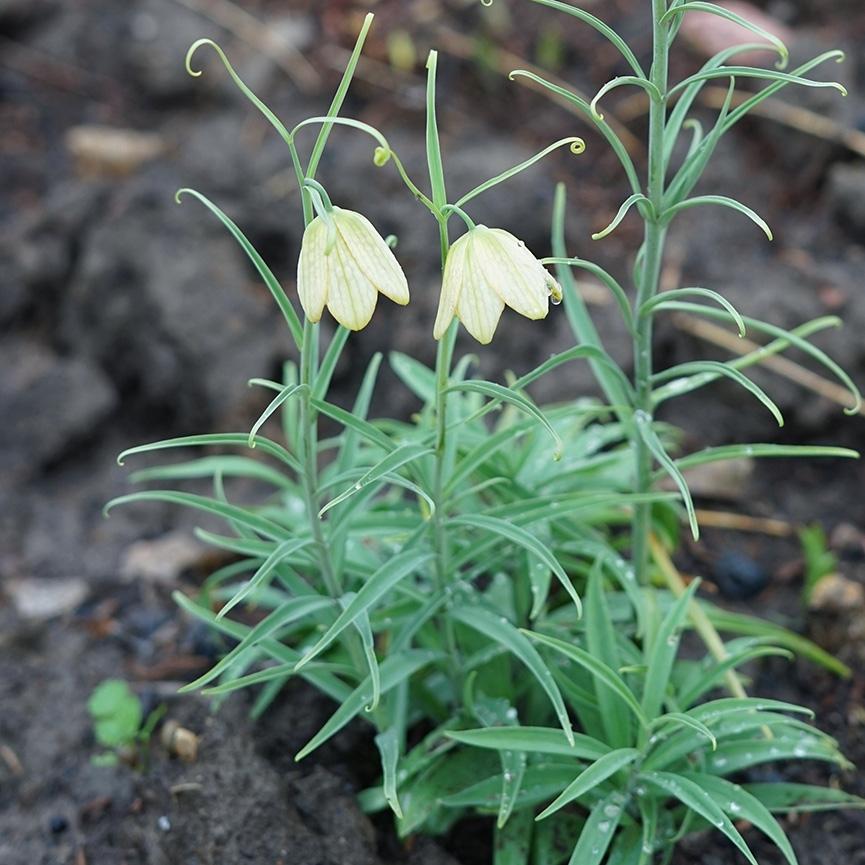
[
  {"x": 196, "y": 73},
  {"x": 487, "y": 3},
  {"x": 381, "y": 156},
  {"x": 578, "y": 146}
]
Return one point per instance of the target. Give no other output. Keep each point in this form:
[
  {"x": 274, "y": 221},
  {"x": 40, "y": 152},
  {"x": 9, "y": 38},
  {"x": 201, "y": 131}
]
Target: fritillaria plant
[{"x": 488, "y": 585}]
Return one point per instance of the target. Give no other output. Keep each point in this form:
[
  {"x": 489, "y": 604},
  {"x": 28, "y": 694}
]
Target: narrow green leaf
[
  {"x": 542, "y": 781},
  {"x": 754, "y": 72},
  {"x": 602, "y": 769},
  {"x": 392, "y": 572},
  {"x": 397, "y": 459},
  {"x": 577, "y": 146},
  {"x": 323, "y": 680},
  {"x": 698, "y": 800},
  {"x": 227, "y": 466},
  {"x": 339, "y": 96},
  {"x": 532, "y": 740},
  {"x": 739, "y": 804},
  {"x": 732, "y": 452},
  {"x": 285, "y": 394},
  {"x": 787, "y": 798},
  {"x": 599, "y": 670},
  {"x": 348, "y": 450},
  {"x": 657, "y": 303},
  {"x": 526, "y": 540},
  {"x": 329, "y": 362},
  {"x": 686, "y": 697},
  {"x": 599, "y": 123},
  {"x": 214, "y": 440},
  {"x": 243, "y": 516},
  {"x": 512, "y": 842},
  {"x": 362, "y": 626},
  {"x": 661, "y": 653},
  {"x": 388, "y": 747},
  {"x": 722, "y": 201},
  {"x": 602, "y": 643},
  {"x": 653, "y": 443},
  {"x": 596, "y": 24},
  {"x": 394, "y": 669},
  {"x": 349, "y": 421},
  {"x": 619, "y": 295},
  {"x": 732, "y": 757},
  {"x": 415, "y": 376},
  {"x": 500, "y": 630},
  {"x": 722, "y": 12},
  {"x": 505, "y": 394},
  {"x": 598, "y": 832},
  {"x": 285, "y": 305},
  {"x": 290, "y": 611},
  {"x": 739, "y": 623},
  {"x": 682, "y": 371},
  {"x": 281, "y": 552},
  {"x": 683, "y": 720},
  {"x": 630, "y": 201}
]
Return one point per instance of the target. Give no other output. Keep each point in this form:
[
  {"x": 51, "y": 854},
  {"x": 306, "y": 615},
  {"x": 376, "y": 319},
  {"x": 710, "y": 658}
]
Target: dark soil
[{"x": 125, "y": 318}]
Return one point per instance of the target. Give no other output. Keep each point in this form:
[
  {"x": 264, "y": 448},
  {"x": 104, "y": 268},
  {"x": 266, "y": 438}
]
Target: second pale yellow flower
[{"x": 486, "y": 270}]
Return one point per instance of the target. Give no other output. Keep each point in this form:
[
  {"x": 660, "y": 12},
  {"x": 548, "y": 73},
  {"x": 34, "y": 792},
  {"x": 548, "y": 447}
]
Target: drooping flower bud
[
  {"x": 344, "y": 264},
  {"x": 486, "y": 270}
]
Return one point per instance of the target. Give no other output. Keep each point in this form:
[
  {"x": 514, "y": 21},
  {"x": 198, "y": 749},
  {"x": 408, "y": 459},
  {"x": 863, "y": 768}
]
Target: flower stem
[
  {"x": 648, "y": 281},
  {"x": 309, "y": 442},
  {"x": 444, "y": 358}
]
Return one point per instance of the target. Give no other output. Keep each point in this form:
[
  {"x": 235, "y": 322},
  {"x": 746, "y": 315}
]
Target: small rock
[
  {"x": 58, "y": 824},
  {"x": 738, "y": 576},
  {"x": 162, "y": 560},
  {"x": 835, "y": 593},
  {"x": 106, "y": 151},
  {"x": 179, "y": 742},
  {"x": 40, "y": 600}
]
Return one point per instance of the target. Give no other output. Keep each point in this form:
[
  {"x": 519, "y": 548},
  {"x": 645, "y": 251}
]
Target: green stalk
[
  {"x": 649, "y": 277},
  {"x": 309, "y": 442},
  {"x": 444, "y": 358}
]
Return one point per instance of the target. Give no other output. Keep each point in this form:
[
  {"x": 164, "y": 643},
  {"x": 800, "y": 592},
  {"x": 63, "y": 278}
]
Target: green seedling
[{"x": 118, "y": 722}]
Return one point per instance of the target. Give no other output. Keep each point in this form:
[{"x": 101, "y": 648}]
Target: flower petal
[
  {"x": 312, "y": 270},
  {"x": 452, "y": 284},
  {"x": 351, "y": 299},
  {"x": 518, "y": 278},
  {"x": 479, "y": 308},
  {"x": 372, "y": 255}
]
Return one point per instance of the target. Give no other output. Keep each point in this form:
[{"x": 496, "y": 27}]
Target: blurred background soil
[{"x": 125, "y": 318}]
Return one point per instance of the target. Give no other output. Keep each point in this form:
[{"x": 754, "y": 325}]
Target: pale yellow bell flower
[
  {"x": 344, "y": 266},
  {"x": 486, "y": 270}
]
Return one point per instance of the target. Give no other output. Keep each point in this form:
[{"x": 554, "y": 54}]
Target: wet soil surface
[{"x": 125, "y": 318}]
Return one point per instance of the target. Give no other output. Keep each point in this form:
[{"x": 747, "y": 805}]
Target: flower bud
[
  {"x": 343, "y": 266},
  {"x": 486, "y": 270}
]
